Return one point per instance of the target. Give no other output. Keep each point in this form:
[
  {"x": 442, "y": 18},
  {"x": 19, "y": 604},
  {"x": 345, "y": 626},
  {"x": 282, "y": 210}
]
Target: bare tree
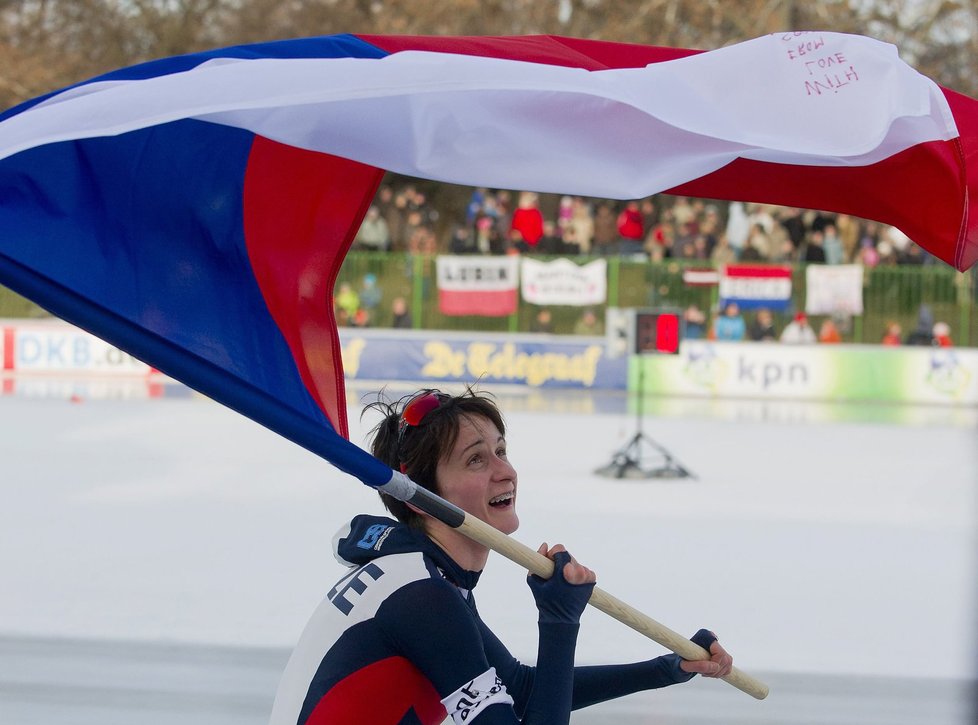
[{"x": 46, "y": 44}]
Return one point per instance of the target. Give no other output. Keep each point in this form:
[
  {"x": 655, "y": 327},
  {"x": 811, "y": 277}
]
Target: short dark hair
[{"x": 419, "y": 450}]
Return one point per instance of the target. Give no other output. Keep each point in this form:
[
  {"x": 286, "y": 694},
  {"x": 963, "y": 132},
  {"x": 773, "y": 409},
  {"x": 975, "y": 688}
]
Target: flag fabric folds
[{"x": 195, "y": 210}]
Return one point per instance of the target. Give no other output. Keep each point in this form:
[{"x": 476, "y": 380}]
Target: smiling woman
[{"x": 399, "y": 639}]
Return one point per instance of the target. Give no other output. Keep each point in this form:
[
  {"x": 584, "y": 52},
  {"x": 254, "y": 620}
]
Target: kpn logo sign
[
  {"x": 704, "y": 368},
  {"x": 947, "y": 375}
]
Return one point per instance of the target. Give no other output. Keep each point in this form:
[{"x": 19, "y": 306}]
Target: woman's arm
[
  {"x": 598, "y": 683},
  {"x": 560, "y": 600}
]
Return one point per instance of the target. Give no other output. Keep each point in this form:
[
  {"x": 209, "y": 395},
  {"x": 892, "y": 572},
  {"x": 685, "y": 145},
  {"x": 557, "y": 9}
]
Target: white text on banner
[
  {"x": 473, "y": 285},
  {"x": 562, "y": 282}
]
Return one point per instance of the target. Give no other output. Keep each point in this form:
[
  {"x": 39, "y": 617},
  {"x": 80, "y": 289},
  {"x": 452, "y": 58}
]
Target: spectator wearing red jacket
[
  {"x": 942, "y": 334},
  {"x": 893, "y": 335},
  {"x": 526, "y": 229},
  {"x": 631, "y": 229}
]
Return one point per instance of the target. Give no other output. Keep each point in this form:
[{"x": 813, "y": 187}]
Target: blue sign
[{"x": 534, "y": 361}]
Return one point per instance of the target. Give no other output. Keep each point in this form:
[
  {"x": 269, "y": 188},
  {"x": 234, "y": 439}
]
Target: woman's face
[{"x": 477, "y": 476}]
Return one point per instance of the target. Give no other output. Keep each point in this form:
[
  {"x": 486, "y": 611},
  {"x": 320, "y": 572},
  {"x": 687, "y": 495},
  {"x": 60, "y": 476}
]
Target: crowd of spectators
[
  {"x": 661, "y": 227},
  {"x": 654, "y": 228},
  {"x": 731, "y": 325},
  {"x": 400, "y": 221}
]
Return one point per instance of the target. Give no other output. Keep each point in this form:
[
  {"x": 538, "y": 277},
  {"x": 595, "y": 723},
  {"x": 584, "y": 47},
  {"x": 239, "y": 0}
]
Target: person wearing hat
[{"x": 799, "y": 331}]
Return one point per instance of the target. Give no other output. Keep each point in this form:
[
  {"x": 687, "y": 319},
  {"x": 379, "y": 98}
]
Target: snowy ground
[{"x": 810, "y": 548}]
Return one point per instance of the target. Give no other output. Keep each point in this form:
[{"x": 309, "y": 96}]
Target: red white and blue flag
[
  {"x": 754, "y": 286},
  {"x": 194, "y": 210}
]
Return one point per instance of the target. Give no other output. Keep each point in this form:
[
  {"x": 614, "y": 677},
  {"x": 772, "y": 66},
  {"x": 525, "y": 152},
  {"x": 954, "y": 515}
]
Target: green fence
[{"x": 891, "y": 293}]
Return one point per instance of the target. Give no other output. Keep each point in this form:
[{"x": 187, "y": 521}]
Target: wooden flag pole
[
  {"x": 536, "y": 563},
  {"x": 403, "y": 488}
]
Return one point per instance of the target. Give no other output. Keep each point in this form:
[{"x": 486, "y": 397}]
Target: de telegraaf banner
[
  {"x": 562, "y": 282},
  {"x": 472, "y": 285},
  {"x": 431, "y": 357}
]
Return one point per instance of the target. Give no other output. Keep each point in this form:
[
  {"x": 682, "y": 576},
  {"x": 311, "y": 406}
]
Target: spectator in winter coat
[
  {"x": 762, "y": 329},
  {"x": 374, "y": 233},
  {"x": 730, "y": 325},
  {"x": 828, "y": 332},
  {"x": 942, "y": 334},
  {"x": 527, "y": 224},
  {"x": 799, "y": 331},
  {"x": 923, "y": 334},
  {"x": 631, "y": 229},
  {"x": 893, "y": 334}
]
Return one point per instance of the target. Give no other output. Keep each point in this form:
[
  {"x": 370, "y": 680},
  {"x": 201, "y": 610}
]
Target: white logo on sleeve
[{"x": 465, "y": 704}]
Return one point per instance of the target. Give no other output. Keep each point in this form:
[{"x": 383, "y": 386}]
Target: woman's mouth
[{"x": 503, "y": 500}]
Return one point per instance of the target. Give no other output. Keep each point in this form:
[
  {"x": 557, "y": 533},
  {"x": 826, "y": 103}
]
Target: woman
[{"x": 399, "y": 639}]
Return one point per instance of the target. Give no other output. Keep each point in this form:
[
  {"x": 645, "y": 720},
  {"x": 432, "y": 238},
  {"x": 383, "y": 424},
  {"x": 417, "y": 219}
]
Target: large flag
[{"x": 194, "y": 210}]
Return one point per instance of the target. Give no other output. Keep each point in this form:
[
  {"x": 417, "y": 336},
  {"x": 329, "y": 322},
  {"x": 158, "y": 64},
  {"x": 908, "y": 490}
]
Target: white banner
[
  {"x": 59, "y": 348},
  {"x": 475, "y": 273},
  {"x": 834, "y": 289},
  {"x": 474, "y": 285},
  {"x": 562, "y": 282}
]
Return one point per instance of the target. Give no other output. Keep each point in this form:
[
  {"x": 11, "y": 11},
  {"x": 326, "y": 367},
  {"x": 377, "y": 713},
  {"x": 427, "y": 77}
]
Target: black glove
[
  {"x": 704, "y": 638},
  {"x": 559, "y": 602}
]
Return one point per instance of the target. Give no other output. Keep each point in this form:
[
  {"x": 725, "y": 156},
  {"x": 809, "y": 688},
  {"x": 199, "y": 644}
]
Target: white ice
[{"x": 808, "y": 547}]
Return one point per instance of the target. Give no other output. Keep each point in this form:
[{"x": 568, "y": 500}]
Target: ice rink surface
[{"x": 159, "y": 558}]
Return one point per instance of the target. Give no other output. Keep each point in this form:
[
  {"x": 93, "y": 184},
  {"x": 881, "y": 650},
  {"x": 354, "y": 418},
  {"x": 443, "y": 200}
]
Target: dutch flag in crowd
[
  {"x": 194, "y": 211},
  {"x": 756, "y": 286}
]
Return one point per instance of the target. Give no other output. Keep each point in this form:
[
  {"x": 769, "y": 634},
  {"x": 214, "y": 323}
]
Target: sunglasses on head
[{"x": 417, "y": 408}]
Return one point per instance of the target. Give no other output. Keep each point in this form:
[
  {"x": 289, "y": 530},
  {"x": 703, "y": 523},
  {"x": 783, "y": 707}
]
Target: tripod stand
[{"x": 627, "y": 462}]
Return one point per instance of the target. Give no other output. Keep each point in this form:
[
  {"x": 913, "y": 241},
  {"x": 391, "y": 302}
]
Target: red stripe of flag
[
  {"x": 750, "y": 270},
  {"x": 302, "y": 210}
]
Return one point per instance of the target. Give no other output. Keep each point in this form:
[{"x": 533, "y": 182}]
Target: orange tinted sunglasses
[{"x": 415, "y": 411}]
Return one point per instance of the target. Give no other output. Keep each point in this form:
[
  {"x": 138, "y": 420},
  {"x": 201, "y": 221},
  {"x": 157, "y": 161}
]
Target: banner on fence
[
  {"x": 837, "y": 373},
  {"x": 471, "y": 285},
  {"x": 834, "y": 289},
  {"x": 562, "y": 282},
  {"x": 753, "y": 286},
  {"x": 61, "y": 348}
]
